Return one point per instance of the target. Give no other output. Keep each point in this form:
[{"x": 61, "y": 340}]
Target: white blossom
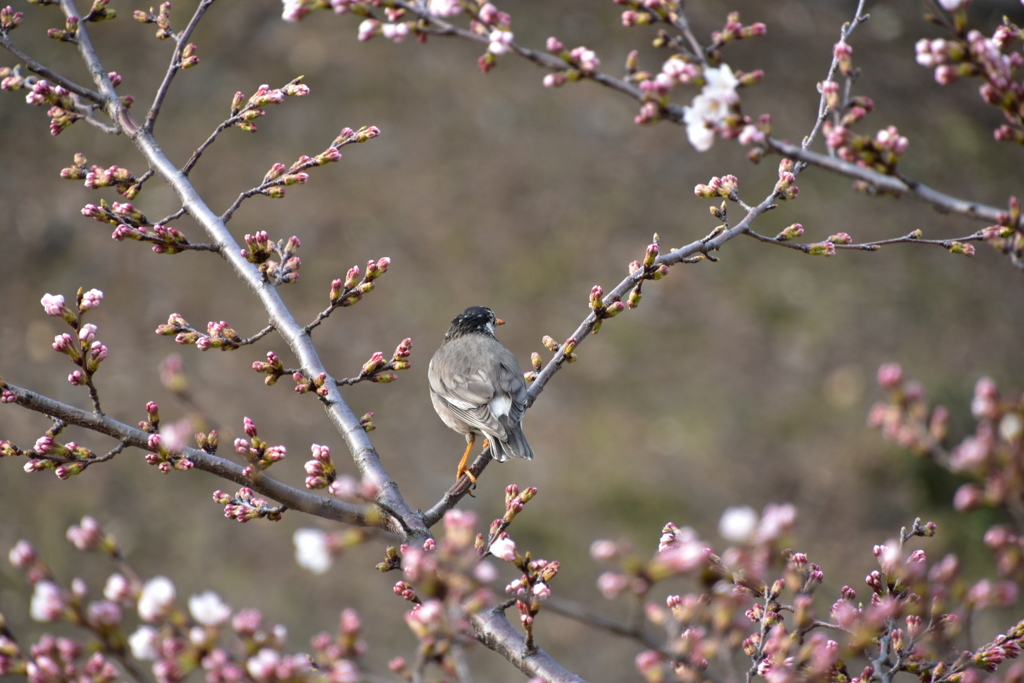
[{"x": 312, "y": 550}]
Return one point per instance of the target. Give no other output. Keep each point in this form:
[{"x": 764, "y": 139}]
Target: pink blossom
[
  {"x": 612, "y": 585},
  {"x": 554, "y": 80},
  {"x": 87, "y": 535},
  {"x": 53, "y": 304},
  {"x": 504, "y": 548},
  {"x": 604, "y": 550},
  {"x": 91, "y": 299},
  {"x": 47, "y": 602},
  {"x": 500, "y": 40},
  {"x": 585, "y": 58},
  {"x": 117, "y": 588},
  {"x": 443, "y": 8},
  {"x": 22, "y": 555},
  {"x": 368, "y": 29}
]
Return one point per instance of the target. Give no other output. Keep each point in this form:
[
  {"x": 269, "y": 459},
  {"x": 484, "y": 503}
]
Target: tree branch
[
  {"x": 132, "y": 436},
  {"x": 495, "y": 632}
]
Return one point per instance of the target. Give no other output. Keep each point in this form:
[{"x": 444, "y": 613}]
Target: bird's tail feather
[{"x": 515, "y": 447}]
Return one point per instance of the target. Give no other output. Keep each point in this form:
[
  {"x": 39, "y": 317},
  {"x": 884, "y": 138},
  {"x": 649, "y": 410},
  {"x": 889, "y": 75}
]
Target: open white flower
[
  {"x": 312, "y": 550},
  {"x": 738, "y": 523},
  {"x": 208, "y": 609},
  {"x": 710, "y": 107},
  {"x": 157, "y": 599},
  {"x": 145, "y": 643}
]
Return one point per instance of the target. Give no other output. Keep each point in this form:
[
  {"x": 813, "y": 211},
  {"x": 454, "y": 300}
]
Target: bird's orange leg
[{"x": 465, "y": 458}]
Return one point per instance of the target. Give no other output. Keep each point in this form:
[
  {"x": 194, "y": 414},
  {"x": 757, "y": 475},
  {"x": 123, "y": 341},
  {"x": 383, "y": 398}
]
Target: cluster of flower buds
[
  {"x": 151, "y": 425},
  {"x": 88, "y": 535},
  {"x": 68, "y": 34},
  {"x": 245, "y": 111},
  {"x": 9, "y": 19},
  {"x": 162, "y": 19},
  {"x": 273, "y": 368},
  {"x": 649, "y": 269},
  {"x": 734, "y": 30},
  {"x": 725, "y": 186},
  {"x": 279, "y": 177},
  {"x": 208, "y": 442},
  {"x": 991, "y": 456},
  {"x": 567, "y": 348},
  {"x": 350, "y": 290},
  {"x": 334, "y": 653},
  {"x": 447, "y": 578},
  {"x": 532, "y": 588},
  {"x": 790, "y": 233},
  {"x": 786, "y": 188},
  {"x": 165, "y": 239},
  {"x": 377, "y": 369},
  {"x": 66, "y": 460},
  {"x": 536, "y": 363},
  {"x": 1008, "y": 236},
  {"x": 121, "y": 179},
  {"x": 393, "y": 30},
  {"x": 261, "y": 248},
  {"x": 305, "y": 384},
  {"x": 82, "y": 348},
  {"x": 515, "y": 502},
  {"x": 973, "y": 54},
  {"x": 11, "y": 78},
  {"x": 601, "y": 311},
  {"x": 189, "y": 58},
  {"x": 162, "y": 457},
  {"x": 347, "y": 136},
  {"x": 116, "y": 214},
  {"x": 218, "y": 334},
  {"x": 62, "y": 112},
  {"x": 99, "y": 11},
  {"x": 245, "y": 506},
  {"x": 497, "y": 27},
  {"x": 255, "y": 451},
  {"x": 881, "y": 152},
  {"x": 320, "y": 470},
  {"x": 581, "y": 62}
]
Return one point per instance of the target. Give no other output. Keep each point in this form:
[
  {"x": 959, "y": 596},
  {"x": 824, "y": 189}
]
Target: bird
[{"x": 477, "y": 387}]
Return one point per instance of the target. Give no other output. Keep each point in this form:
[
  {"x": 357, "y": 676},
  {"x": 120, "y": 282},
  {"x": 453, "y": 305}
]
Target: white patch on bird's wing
[{"x": 500, "y": 405}]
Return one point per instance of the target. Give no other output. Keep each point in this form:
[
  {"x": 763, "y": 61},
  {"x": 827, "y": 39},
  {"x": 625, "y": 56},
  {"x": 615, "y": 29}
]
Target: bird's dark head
[{"x": 474, "y": 320}]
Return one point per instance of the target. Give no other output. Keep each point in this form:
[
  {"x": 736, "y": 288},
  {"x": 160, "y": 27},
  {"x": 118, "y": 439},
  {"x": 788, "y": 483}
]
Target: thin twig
[{"x": 180, "y": 41}]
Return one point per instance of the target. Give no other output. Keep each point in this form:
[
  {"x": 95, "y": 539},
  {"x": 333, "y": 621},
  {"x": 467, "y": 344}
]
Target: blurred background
[{"x": 740, "y": 382}]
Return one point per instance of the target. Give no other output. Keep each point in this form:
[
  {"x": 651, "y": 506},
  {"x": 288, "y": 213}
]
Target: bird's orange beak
[{"x": 499, "y": 321}]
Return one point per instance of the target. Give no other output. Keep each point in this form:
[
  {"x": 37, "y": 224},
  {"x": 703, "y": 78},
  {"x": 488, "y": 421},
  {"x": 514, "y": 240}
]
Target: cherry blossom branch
[
  {"x": 676, "y": 114},
  {"x": 402, "y": 519},
  {"x": 50, "y": 75},
  {"x": 132, "y": 436},
  {"x": 888, "y": 183},
  {"x": 915, "y": 236}
]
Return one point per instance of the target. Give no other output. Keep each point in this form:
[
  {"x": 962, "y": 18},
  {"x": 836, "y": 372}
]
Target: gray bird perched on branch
[{"x": 477, "y": 387}]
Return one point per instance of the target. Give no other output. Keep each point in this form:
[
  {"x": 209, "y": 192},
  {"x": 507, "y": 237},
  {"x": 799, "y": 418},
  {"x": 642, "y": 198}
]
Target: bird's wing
[
  {"x": 466, "y": 391},
  {"x": 513, "y": 385}
]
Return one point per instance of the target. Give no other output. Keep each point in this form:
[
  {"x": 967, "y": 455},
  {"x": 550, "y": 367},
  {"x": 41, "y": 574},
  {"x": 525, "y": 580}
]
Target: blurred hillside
[{"x": 743, "y": 381}]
